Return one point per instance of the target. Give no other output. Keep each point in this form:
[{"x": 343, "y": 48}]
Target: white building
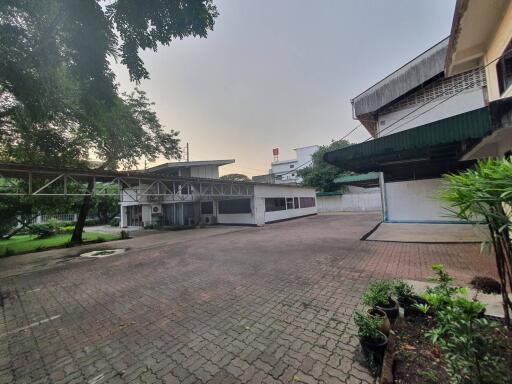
[
  {"x": 423, "y": 123},
  {"x": 285, "y": 171},
  {"x": 177, "y": 194}
]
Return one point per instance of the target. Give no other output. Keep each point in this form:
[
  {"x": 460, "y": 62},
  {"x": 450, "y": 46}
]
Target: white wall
[
  {"x": 464, "y": 102},
  {"x": 414, "y": 200},
  {"x": 304, "y": 154},
  {"x": 263, "y": 191},
  {"x": 351, "y": 202},
  {"x": 236, "y": 218}
]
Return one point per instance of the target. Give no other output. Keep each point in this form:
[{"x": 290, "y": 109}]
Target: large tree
[
  {"x": 235, "y": 177},
  {"x": 59, "y": 103},
  {"x": 319, "y": 174}
]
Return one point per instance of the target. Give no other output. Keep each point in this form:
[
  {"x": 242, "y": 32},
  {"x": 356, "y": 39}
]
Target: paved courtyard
[{"x": 271, "y": 304}]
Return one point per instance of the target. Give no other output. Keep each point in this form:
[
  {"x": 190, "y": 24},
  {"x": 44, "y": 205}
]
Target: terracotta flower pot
[
  {"x": 392, "y": 310},
  {"x": 385, "y": 327}
]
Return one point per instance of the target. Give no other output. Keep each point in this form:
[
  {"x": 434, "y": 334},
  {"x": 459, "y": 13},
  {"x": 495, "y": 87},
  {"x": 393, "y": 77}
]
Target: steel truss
[{"x": 133, "y": 186}]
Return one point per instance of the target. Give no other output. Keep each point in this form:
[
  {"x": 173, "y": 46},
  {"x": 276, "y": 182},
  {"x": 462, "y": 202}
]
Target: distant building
[
  {"x": 208, "y": 169},
  {"x": 285, "y": 171},
  {"x": 191, "y": 193}
]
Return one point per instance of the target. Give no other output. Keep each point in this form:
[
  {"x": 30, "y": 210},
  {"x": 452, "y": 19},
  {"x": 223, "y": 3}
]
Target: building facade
[
  {"x": 285, "y": 171},
  {"x": 175, "y": 196},
  {"x": 424, "y": 121}
]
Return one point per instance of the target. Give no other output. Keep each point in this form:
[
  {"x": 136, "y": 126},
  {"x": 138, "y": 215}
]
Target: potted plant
[
  {"x": 378, "y": 296},
  {"x": 407, "y": 299},
  {"x": 385, "y": 325},
  {"x": 373, "y": 342}
]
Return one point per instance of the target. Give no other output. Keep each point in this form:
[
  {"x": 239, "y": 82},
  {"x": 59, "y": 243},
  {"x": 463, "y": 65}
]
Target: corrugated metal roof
[
  {"x": 370, "y": 176},
  {"x": 466, "y": 126},
  {"x": 416, "y": 72}
]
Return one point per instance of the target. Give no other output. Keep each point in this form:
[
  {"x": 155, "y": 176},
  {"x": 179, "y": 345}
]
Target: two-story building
[
  {"x": 437, "y": 114},
  {"x": 191, "y": 193}
]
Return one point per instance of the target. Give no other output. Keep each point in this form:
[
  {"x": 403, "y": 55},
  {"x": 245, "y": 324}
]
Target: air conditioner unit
[
  {"x": 207, "y": 220},
  {"x": 156, "y": 209}
]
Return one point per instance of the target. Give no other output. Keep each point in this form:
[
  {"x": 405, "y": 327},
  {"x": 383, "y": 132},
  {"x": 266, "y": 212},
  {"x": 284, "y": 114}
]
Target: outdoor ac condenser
[{"x": 156, "y": 209}]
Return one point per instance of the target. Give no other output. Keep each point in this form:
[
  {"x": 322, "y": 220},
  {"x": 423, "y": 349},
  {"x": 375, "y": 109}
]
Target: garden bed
[{"x": 415, "y": 359}]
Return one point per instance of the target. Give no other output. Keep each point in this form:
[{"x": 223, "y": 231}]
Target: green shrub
[
  {"x": 470, "y": 344},
  {"x": 66, "y": 230},
  {"x": 125, "y": 235},
  {"x": 368, "y": 326},
  {"x": 402, "y": 290},
  {"x": 378, "y": 293},
  {"x": 115, "y": 222}
]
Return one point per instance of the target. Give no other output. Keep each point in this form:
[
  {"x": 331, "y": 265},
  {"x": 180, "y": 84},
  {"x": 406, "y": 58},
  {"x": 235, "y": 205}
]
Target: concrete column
[{"x": 123, "y": 222}]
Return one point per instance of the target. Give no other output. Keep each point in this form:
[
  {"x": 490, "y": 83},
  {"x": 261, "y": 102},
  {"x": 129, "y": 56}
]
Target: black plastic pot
[
  {"x": 374, "y": 347},
  {"x": 392, "y": 310}
]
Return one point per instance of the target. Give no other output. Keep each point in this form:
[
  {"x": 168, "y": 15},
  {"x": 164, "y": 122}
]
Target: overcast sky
[{"x": 281, "y": 73}]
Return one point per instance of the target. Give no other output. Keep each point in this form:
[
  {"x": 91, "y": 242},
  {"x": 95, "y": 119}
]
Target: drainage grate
[{"x": 103, "y": 253}]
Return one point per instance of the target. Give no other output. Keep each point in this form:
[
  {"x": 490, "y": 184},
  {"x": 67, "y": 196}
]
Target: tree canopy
[
  {"x": 59, "y": 102},
  {"x": 320, "y": 174},
  {"x": 235, "y": 177}
]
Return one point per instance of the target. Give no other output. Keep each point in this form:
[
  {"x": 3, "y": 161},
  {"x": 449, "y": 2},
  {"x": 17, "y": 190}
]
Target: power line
[{"x": 352, "y": 130}]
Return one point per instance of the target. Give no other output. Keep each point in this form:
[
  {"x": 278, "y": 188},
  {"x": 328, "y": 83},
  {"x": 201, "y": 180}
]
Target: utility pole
[{"x": 188, "y": 158}]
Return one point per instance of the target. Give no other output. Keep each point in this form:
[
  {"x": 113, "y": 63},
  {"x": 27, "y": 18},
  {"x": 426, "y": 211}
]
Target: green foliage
[
  {"x": 320, "y": 174},
  {"x": 125, "y": 234},
  {"x": 368, "y": 327},
  {"x": 443, "y": 282},
  {"x": 485, "y": 193},
  {"x": 402, "y": 290},
  {"x": 378, "y": 293},
  {"x": 115, "y": 222},
  {"x": 66, "y": 229},
  {"x": 469, "y": 344},
  {"x": 234, "y": 177},
  {"x": 29, "y": 243},
  {"x": 58, "y": 97}
]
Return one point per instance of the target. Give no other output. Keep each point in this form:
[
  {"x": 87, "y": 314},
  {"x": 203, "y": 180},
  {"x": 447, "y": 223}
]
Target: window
[
  {"x": 289, "y": 203},
  {"x": 307, "y": 202},
  {"x": 504, "y": 69},
  {"x": 296, "y": 202},
  {"x": 235, "y": 206},
  {"x": 275, "y": 204},
  {"x": 291, "y": 165},
  {"x": 207, "y": 207}
]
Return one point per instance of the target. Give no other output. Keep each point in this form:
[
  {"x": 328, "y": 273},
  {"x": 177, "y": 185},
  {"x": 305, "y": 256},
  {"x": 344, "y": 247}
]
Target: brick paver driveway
[{"x": 270, "y": 304}]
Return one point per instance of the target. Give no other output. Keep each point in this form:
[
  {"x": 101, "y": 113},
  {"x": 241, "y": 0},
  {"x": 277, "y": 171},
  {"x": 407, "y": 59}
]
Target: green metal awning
[
  {"x": 361, "y": 179},
  {"x": 441, "y": 140}
]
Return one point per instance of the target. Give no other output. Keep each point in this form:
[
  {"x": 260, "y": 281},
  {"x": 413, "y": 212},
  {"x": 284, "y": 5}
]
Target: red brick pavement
[{"x": 271, "y": 304}]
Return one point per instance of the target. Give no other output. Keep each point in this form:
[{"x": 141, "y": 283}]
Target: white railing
[{"x": 60, "y": 217}]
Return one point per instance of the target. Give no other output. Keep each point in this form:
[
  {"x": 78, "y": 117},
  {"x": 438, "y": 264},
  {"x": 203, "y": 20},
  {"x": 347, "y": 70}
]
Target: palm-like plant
[{"x": 484, "y": 193}]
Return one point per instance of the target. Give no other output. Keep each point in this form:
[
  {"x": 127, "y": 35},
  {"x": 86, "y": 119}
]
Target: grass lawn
[{"x": 29, "y": 243}]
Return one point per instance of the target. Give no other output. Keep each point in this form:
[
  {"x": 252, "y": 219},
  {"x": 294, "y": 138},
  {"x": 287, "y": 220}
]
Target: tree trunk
[{"x": 76, "y": 237}]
